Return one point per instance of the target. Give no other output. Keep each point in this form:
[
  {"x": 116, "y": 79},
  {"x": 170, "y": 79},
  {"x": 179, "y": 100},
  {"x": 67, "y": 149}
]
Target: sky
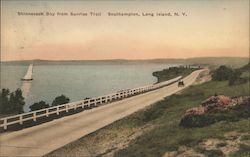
[{"x": 211, "y": 28}]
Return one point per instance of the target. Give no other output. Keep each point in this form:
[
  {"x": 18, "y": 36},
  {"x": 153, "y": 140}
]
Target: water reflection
[{"x": 25, "y": 88}]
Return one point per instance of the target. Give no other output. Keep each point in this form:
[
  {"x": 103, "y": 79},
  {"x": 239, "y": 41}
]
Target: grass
[
  {"x": 166, "y": 115},
  {"x": 244, "y": 151},
  {"x": 200, "y": 149}
]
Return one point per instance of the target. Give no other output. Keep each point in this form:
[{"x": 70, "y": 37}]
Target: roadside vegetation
[
  {"x": 60, "y": 100},
  {"x": 173, "y": 72},
  {"x": 39, "y": 105},
  {"x": 232, "y": 114},
  {"x": 12, "y": 103},
  {"x": 233, "y": 76},
  {"x": 57, "y": 101}
]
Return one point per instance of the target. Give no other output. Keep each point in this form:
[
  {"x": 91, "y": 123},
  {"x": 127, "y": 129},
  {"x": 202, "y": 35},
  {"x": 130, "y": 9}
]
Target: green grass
[{"x": 166, "y": 115}]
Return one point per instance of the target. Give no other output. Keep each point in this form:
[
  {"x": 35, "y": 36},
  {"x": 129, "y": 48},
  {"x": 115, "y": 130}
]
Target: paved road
[{"x": 42, "y": 139}]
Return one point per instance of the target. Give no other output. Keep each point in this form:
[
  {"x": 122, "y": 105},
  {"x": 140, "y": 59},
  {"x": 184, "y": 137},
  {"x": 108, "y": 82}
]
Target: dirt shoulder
[{"x": 104, "y": 142}]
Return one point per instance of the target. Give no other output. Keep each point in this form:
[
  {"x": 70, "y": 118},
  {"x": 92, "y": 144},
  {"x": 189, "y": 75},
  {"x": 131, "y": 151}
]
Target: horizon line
[{"x": 123, "y": 59}]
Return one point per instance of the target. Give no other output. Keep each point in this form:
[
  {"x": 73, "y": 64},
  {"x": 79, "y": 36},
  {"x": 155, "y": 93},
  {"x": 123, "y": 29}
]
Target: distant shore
[{"x": 232, "y": 61}]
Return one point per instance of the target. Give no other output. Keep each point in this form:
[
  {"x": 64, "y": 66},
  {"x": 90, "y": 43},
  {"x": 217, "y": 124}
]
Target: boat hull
[{"x": 26, "y": 79}]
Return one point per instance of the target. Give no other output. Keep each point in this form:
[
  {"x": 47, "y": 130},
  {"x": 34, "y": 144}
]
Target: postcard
[{"x": 127, "y": 78}]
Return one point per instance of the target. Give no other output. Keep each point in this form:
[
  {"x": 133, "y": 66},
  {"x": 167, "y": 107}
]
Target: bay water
[{"x": 77, "y": 81}]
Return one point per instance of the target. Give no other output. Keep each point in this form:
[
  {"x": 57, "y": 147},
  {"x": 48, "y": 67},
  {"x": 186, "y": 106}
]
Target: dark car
[{"x": 181, "y": 84}]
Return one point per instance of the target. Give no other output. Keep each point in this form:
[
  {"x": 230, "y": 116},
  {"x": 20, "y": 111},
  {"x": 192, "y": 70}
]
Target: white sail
[{"x": 28, "y": 75}]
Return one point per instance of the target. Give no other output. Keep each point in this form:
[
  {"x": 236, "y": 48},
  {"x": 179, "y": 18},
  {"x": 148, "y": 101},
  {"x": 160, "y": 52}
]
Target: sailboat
[{"x": 28, "y": 76}]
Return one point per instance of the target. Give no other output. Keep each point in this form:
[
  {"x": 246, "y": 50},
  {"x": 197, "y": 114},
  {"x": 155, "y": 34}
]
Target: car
[{"x": 181, "y": 84}]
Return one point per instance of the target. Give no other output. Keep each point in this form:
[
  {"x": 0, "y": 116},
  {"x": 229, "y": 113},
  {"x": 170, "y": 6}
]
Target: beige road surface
[{"x": 42, "y": 139}]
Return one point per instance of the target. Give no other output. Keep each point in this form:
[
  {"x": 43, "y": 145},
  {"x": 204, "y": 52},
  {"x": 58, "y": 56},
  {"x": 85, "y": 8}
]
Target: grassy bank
[{"x": 169, "y": 135}]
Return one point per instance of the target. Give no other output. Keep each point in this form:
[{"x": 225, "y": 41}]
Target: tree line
[
  {"x": 13, "y": 102},
  {"x": 233, "y": 76}
]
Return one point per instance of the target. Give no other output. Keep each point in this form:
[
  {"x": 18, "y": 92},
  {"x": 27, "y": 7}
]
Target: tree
[
  {"x": 222, "y": 73},
  {"x": 60, "y": 100},
  {"x": 4, "y": 100},
  {"x": 39, "y": 105},
  {"x": 235, "y": 77},
  {"x": 16, "y": 102},
  {"x": 11, "y": 103}
]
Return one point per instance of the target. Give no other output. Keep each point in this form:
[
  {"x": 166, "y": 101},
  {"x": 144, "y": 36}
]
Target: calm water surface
[{"x": 76, "y": 81}]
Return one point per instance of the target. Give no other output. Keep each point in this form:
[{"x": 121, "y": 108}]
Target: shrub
[
  {"x": 223, "y": 144},
  {"x": 235, "y": 78},
  {"x": 234, "y": 113},
  {"x": 39, "y": 105},
  {"x": 60, "y": 100},
  {"x": 222, "y": 73}
]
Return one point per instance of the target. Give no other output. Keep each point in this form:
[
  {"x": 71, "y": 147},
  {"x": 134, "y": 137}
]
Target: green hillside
[{"x": 166, "y": 115}]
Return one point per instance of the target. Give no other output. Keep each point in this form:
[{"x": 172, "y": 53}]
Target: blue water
[{"x": 77, "y": 81}]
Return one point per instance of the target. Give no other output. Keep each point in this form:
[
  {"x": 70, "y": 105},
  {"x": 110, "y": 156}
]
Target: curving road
[{"x": 42, "y": 139}]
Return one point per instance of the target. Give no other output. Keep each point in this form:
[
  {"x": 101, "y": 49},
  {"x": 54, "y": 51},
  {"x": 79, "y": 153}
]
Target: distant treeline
[
  {"x": 172, "y": 72},
  {"x": 13, "y": 102},
  {"x": 229, "y": 61}
]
